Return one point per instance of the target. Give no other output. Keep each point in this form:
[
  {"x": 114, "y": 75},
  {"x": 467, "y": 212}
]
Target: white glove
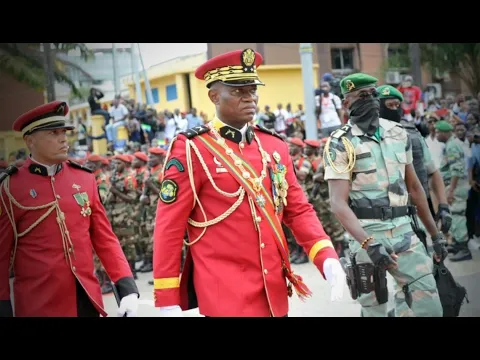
[
  {"x": 336, "y": 278},
  {"x": 128, "y": 305},
  {"x": 171, "y": 311}
]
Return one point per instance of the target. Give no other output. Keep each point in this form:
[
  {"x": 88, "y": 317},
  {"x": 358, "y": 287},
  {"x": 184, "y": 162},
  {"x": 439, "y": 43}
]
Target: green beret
[
  {"x": 443, "y": 126},
  {"x": 389, "y": 92},
  {"x": 357, "y": 81}
]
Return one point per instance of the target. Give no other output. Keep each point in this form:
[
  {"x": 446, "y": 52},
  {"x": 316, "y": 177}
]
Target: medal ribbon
[{"x": 267, "y": 210}]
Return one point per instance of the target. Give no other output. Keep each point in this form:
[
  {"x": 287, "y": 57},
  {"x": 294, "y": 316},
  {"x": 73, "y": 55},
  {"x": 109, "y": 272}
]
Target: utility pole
[
  {"x": 136, "y": 78},
  {"x": 415, "y": 60},
  {"x": 306, "y": 54},
  {"x": 148, "y": 90},
  {"x": 49, "y": 72},
  {"x": 116, "y": 82}
]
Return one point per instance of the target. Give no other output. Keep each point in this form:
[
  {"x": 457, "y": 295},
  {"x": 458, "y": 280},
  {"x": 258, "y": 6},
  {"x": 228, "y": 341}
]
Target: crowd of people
[{"x": 139, "y": 179}]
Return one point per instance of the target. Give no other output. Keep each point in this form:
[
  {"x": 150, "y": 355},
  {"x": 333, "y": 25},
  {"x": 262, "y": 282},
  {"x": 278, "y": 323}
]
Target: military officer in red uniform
[
  {"x": 232, "y": 185},
  {"x": 52, "y": 219}
]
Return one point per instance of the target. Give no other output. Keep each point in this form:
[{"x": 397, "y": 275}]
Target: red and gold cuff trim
[
  {"x": 319, "y": 245},
  {"x": 166, "y": 283}
]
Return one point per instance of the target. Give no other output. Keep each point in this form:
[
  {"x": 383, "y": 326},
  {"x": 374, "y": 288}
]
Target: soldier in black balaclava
[{"x": 390, "y": 109}]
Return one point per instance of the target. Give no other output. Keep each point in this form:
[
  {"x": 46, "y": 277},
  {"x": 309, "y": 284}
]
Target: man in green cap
[
  {"x": 370, "y": 174},
  {"x": 390, "y": 108},
  {"x": 452, "y": 169}
]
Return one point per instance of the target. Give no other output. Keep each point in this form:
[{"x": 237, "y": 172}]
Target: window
[
  {"x": 172, "y": 92},
  {"x": 342, "y": 59},
  {"x": 155, "y": 96}
]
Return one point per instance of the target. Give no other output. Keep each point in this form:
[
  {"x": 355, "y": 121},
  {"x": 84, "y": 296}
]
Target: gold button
[
  {"x": 70, "y": 250},
  {"x": 242, "y": 145},
  {"x": 53, "y": 179},
  {"x": 265, "y": 271},
  {"x": 74, "y": 268},
  {"x": 58, "y": 197},
  {"x": 262, "y": 245},
  {"x": 258, "y": 219}
]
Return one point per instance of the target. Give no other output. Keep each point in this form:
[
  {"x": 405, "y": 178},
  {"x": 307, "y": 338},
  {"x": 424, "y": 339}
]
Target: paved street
[{"x": 466, "y": 273}]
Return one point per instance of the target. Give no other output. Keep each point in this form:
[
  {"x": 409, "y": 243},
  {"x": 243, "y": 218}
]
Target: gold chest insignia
[
  {"x": 248, "y": 57},
  {"x": 350, "y": 85}
]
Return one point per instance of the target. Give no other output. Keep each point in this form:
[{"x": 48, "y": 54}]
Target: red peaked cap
[
  {"x": 312, "y": 143},
  {"x": 124, "y": 158},
  {"x": 296, "y": 141},
  {"x": 141, "y": 156},
  {"x": 44, "y": 117},
  {"x": 94, "y": 158},
  {"x": 157, "y": 151},
  {"x": 235, "y": 68}
]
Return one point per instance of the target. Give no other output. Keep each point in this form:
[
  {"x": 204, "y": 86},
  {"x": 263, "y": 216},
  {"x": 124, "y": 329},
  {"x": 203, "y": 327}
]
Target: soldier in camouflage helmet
[
  {"x": 121, "y": 201},
  {"x": 370, "y": 175}
]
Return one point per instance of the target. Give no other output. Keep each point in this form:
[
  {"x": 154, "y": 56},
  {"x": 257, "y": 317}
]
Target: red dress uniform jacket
[
  {"x": 233, "y": 270},
  {"x": 54, "y": 257}
]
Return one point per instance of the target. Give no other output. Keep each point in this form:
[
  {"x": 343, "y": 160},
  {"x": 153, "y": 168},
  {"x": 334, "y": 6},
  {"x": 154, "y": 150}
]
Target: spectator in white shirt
[
  {"x": 119, "y": 114},
  {"x": 329, "y": 110},
  {"x": 281, "y": 116},
  {"x": 436, "y": 147}
]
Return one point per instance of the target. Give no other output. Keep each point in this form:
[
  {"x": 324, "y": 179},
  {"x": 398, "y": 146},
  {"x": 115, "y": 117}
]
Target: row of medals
[{"x": 277, "y": 174}]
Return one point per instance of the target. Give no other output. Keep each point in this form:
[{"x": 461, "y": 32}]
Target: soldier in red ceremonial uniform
[
  {"x": 52, "y": 220},
  {"x": 232, "y": 185}
]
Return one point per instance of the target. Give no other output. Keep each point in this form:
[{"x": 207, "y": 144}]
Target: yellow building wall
[
  {"x": 282, "y": 86},
  {"x": 161, "y": 84},
  {"x": 199, "y": 96},
  {"x": 10, "y": 141}
]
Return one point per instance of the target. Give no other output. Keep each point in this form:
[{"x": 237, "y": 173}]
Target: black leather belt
[{"x": 383, "y": 212}]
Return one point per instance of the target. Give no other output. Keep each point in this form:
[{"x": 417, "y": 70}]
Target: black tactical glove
[
  {"x": 439, "y": 243},
  {"x": 444, "y": 216},
  {"x": 380, "y": 255}
]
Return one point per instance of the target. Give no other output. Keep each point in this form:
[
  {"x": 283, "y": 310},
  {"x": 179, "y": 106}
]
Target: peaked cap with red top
[
  {"x": 296, "y": 141},
  {"x": 235, "y": 68},
  {"x": 49, "y": 116},
  {"x": 312, "y": 143}
]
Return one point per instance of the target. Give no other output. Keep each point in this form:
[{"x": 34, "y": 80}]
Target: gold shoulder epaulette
[
  {"x": 195, "y": 131},
  {"x": 9, "y": 171},
  {"x": 269, "y": 131},
  {"x": 337, "y": 134},
  {"x": 79, "y": 166}
]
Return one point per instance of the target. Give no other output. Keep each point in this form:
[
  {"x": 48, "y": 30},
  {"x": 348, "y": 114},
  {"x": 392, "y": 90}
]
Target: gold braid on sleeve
[{"x": 351, "y": 156}]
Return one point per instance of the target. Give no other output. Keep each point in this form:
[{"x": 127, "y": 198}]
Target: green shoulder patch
[
  {"x": 175, "y": 162},
  {"x": 333, "y": 154},
  {"x": 168, "y": 191}
]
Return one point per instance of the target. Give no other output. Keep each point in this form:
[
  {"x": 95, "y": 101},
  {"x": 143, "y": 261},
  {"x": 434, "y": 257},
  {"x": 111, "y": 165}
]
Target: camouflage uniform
[
  {"x": 141, "y": 233},
  {"x": 103, "y": 190},
  {"x": 453, "y": 164},
  {"x": 151, "y": 209},
  {"x": 330, "y": 223},
  {"x": 122, "y": 213},
  {"x": 302, "y": 165},
  {"x": 377, "y": 180}
]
